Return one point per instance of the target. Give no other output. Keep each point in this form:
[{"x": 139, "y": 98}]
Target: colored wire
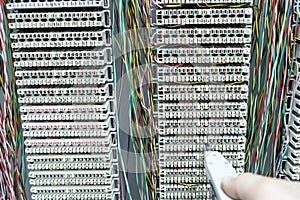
[
  {"x": 271, "y": 44},
  {"x": 12, "y": 148}
]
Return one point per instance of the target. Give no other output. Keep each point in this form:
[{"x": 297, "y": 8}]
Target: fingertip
[
  {"x": 228, "y": 186},
  {"x": 226, "y": 180}
]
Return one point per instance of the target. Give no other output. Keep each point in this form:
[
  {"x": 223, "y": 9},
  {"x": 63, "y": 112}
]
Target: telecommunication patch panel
[
  {"x": 202, "y": 60},
  {"x": 63, "y": 59}
]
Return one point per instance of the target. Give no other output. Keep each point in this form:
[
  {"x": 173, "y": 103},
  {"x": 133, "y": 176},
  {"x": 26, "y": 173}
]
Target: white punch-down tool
[{"x": 217, "y": 167}]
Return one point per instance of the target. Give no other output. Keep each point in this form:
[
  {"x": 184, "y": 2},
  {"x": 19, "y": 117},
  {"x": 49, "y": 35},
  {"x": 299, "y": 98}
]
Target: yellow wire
[{"x": 186, "y": 184}]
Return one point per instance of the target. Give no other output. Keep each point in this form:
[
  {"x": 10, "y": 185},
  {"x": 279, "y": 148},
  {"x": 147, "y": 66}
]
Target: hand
[{"x": 255, "y": 187}]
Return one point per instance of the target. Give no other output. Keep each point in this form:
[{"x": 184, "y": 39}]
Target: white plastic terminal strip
[
  {"x": 69, "y": 165},
  {"x": 166, "y": 107},
  {"x": 203, "y": 74},
  {"x": 77, "y": 113},
  {"x": 65, "y": 95},
  {"x": 62, "y": 91},
  {"x": 59, "y": 19},
  {"x": 203, "y": 36},
  {"x": 196, "y": 172},
  {"x": 203, "y": 55},
  {"x": 203, "y": 78},
  {"x": 182, "y": 146},
  {"x": 66, "y": 99},
  {"x": 202, "y": 123},
  {"x": 63, "y": 59},
  {"x": 182, "y": 172},
  {"x": 66, "y": 109},
  {"x": 182, "y": 163},
  {"x": 210, "y": 139},
  {"x": 61, "y": 39},
  {"x": 60, "y": 54},
  {"x": 65, "y": 81},
  {"x": 73, "y": 195},
  {"x": 58, "y": 4},
  {"x": 62, "y": 63},
  {"x": 64, "y": 158},
  {"x": 202, "y": 88},
  {"x": 86, "y": 73},
  {"x": 68, "y": 149},
  {"x": 200, "y": 70},
  {"x": 181, "y": 140},
  {"x": 202, "y": 131},
  {"x": 204, "y": 93},
  {"x": 81, "y": 188},
  {"x": 66, "y": 116},
  {"x": 197, "y": 147},
  {"x": 181, "y": 155},
  {"x": 234, "y": 155},
  {"x": 188, "y": 179},
  {"x": 181, "y": 188},
  {"x": 170, "y": 2},
  {"x": 230, "y": 147},
  {"x": 67, "y": 142},
  {"x": 203, "y": 114},
  {"x": 66, "y": 133},
  {"x": 204, "y": 16},
  {"x": 182, "y": 178},
  {"x": 203, "y": 97},
  {"x": 185, "y": 195},
  {"x": 70, "y": 181},
  {"x": 66, "y": 125},
  {"x": 68, "y": 173}
]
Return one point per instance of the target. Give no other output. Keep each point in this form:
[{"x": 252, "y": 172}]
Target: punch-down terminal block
[
  {"x": 66, "y": 95},
  {"x": 59, "y": 20},
  {"x": 190, "y": 36},
  {"x": 63, "y": 59},
  {"x": 174, "y": 131},
  {"x": 203, "y": 74},
  {"x": 61, "y": 39},
  {"x": 203, "y": 16},
  {"x": 75, "y": 112},
  {"x": 202, "y": 91},
  {"x": 65, "y": 77},
  {"x": 203, "y": 55}
]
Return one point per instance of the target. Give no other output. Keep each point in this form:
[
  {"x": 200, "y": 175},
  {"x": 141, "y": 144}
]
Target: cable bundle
[
  {"x": 131, "y": 38},
  {"x": 11, "y": 144},
  {"x": 271, "y": 75}
]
